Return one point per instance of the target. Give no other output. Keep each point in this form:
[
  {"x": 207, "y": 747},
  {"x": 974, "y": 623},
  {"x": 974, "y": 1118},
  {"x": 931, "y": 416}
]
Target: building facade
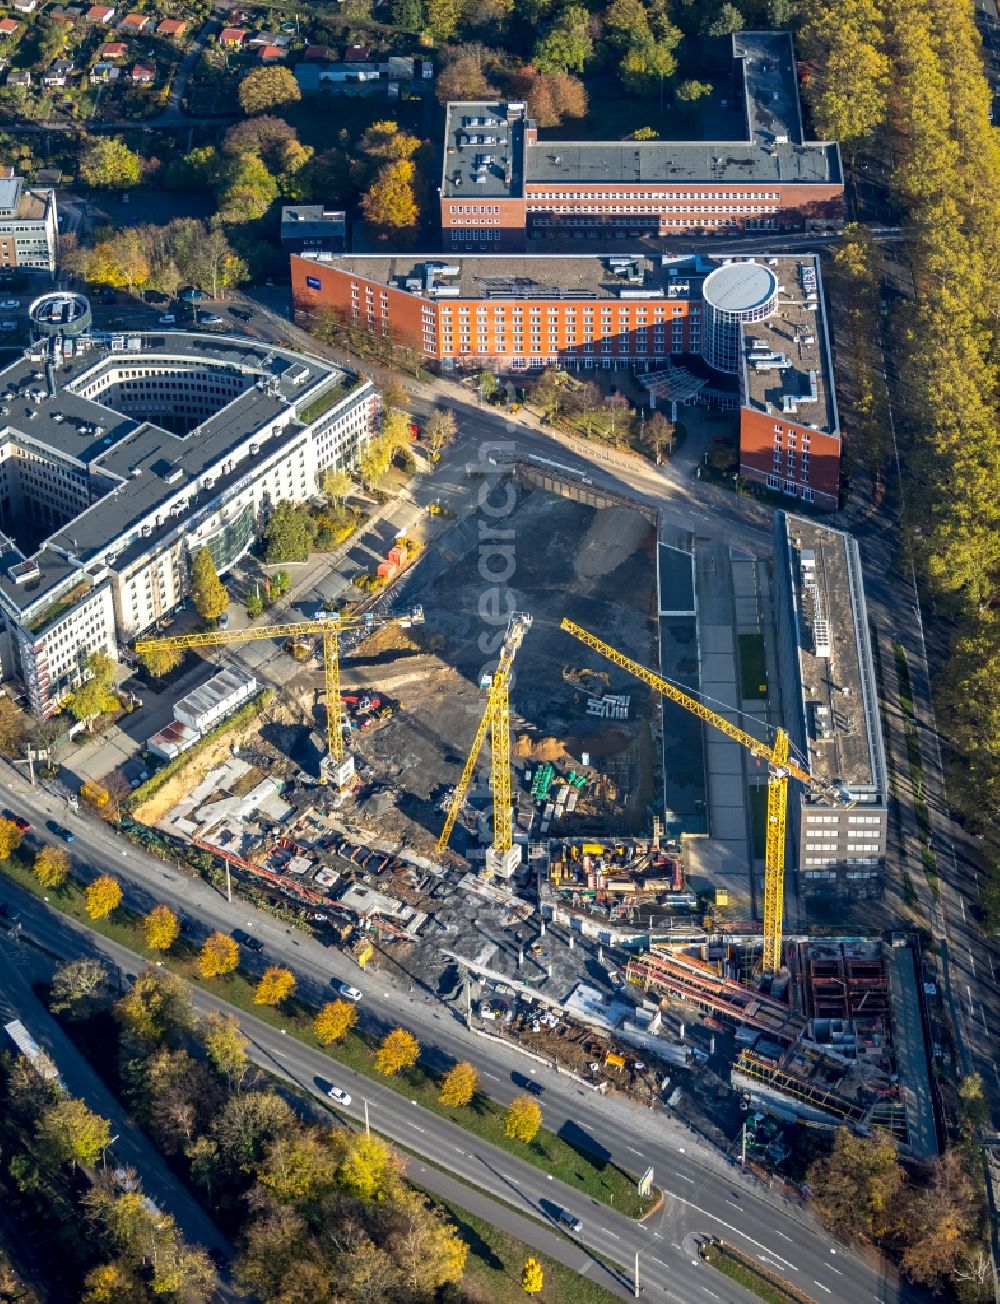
[
  {"x": 122, "y": 456},
  {"x": 757, "y": 324},
  {"x": 830, "y": 698},
  {"x": 502, "y": 189},
  {"x": 29, "y": 226}
]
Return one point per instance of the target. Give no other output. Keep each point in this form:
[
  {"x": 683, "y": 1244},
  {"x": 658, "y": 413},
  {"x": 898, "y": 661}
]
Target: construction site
[{"x": 505, "y": 817}]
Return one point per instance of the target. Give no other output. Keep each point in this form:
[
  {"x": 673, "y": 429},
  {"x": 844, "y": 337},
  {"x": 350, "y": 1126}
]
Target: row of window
[
  {"x": 658, "y": 194},
  {"x": 659, "y": 208}
]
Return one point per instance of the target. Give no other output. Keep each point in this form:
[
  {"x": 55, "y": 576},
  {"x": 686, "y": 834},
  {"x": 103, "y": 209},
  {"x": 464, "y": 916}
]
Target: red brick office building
[
  {"x": 502, "y": 189},
  {"x": 757, "y": 325}
]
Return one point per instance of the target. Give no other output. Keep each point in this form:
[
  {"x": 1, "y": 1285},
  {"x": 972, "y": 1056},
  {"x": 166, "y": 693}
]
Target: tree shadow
[{"x": 477, "y": 1245}]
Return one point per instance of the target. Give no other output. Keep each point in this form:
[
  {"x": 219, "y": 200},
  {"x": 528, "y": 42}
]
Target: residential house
[
  {"x": 317, "y": 52},
  {"x": 268, "y": 38},
  {"x": 143, "y": 75},
  {"x": 134, "y": 23},
  {"x": 8, "y": 28},
  {"x": 18, "y": 79},
  {"x": 29, "y": 224},
  {"x": 233, "y": 38},
  {"x": 104, "y": 72},
  {"x": 313, "y": 228},
  {"x": 112, "y": 50},
  {"x": 271, "y": 53},
  {"x": 58, "y": 73},
  {"x": 357, "y": 54},
  {"x": 100, "y": 13},
  {"x": 24, "y": 6},
  {"x": 172, "y": 27}
]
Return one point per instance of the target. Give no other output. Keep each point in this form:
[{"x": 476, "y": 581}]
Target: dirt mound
[
  {"x": 545, "y": 749},
  {"x": 608, "y": 743},
  {"x": 614, "y": 534}
]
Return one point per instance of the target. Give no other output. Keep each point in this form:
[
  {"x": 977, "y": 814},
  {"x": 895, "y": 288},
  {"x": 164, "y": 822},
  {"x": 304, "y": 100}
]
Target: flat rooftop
[
  {"x": 802, "y": 390},
  {"x": 771, "y": 90},
  {"x": 659, "y": 163},
  {"x": 131, "y": 465},
  {"x": 839, "y": 697},
  {"x": 484, "y": 149},
  {"x": 530, "y": 276}
]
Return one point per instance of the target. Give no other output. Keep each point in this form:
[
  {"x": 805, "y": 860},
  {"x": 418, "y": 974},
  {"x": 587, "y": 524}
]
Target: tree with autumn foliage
[
  {"x": 857, "y": 1187},
  {"x": 459, "y": 1085},
  {"x": 159, "y": 661},
  {"x": 10, "y": 837},
  {"x": 51, "y": 866},
  {"x": 334, "y": 1021},
  {"x": 161, "y": 928},
  {"x": 399, "y": 1050},
  {"x": 219, "y": 954},
  {"x": 390, "y": 201},
  {"x": 522, "y": 1119},
  {"x": 275, "y": 986},
  {"x": 102, "y": 896},
  {"x": 532, "y": 1277}
]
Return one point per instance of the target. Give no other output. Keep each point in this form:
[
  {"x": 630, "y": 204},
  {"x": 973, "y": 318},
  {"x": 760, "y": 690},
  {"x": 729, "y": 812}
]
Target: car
[
  {"x": 526, "y": 1084},
  {"x": 19, "y": 820},
  {"x": 224, "y": 620},
  {"x": 569, "y": 1220},
  {"x": 339, "y": 1095},
  {"x": 246, "y": 939},
  {"x": 55, "y": 827},
  {"x": 8, "y": 914},
  {"x": 6, "y": 326},
  {"x": 345, "y": 989},
  {"x": 209, "y": 318},
  {"x": 414, "y": 430},
  {"x": 167, "y": 319},
  {"x": 241, "y": 314},
  {"x": 11, "y": 303},
  {"x": 191, "y": 295}
]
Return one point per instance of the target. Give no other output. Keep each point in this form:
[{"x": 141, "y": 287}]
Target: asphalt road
[{"x": 705, "y": 1194}]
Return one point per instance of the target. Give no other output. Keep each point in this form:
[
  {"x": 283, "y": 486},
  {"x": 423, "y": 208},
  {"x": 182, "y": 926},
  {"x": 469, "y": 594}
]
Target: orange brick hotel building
[{"x": 756, "y": 329}]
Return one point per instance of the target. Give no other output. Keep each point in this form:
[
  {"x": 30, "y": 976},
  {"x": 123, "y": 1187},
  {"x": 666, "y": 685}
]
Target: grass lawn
[
  {"x": 484, "y": 1117},
  {"x": 753, "y": 667},
  {"x": 493, "y": 1268},
  {"x": 756, "y": 1280},
  {"x": 757, "y": 798}
]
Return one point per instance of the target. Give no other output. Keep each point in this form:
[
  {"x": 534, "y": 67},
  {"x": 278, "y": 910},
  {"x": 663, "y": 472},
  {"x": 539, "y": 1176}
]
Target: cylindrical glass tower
[{"x": 735, "y": 295}]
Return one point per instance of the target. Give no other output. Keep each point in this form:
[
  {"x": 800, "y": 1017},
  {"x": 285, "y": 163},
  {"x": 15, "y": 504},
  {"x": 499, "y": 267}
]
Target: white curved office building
[{"x": 735, "y": 295}]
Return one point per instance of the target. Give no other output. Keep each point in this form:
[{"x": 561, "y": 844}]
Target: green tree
[
  {"x": 159, "y": 661},
  {"x": 689, "y": 91},
  {"x": 79, "y": 988},
  {"x": 210, "y": 595},
  {"x": 522, "y": 1119},
  {"x": 567, "y": 45},
  {"x": 156, "y": 1008},
  {"x": 95, "y": 697},
  {"x": 266, "y": 88},
  {"x": 225, "y": 1045},
  {"x": 728, "y": 20},
  {"x": 443, "y": 18},
  {"x": 246, "y": 187},
  {"x": 73, "y": 1134},
  {"x": 408, "y": 14},
  {"x": 289, "y": 533},
  {"x": 335, "y": 485},
  {"x": 106, "y": 161}
]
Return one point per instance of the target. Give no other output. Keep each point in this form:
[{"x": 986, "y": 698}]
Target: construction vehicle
[
  {"x": 503, "y": 857},
  {"x": 582, "y": 677},
  {"x": 328, "y": 625},
  {"x": 780, "y": 769}
]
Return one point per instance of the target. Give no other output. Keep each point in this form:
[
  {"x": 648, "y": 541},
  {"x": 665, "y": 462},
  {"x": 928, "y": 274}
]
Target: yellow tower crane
[
  {"x": 329, "y": 627},
  {"x": 780, "y": 769},
  {"x": 496, "y": 718}
]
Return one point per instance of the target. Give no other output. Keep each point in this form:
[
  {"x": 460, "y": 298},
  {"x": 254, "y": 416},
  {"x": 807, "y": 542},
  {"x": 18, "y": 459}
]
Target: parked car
[
  {"x": 7, "y": 326},
  {"x": 192, "y": 296},
  {"x": 23, "y": 824},
  {"x": 247, "y": 939},
  {"x": 11, "y": 303},
  {"x": 209, "y": 319},
  {"x": 345, "y": 989},
  {"x": 241, "y": 314},
  {"x": 339, "y": 1095},
  {"x": 167, "y": 319}
]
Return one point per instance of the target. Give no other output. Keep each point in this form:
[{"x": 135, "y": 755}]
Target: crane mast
[
  {"x": 328, "y": 628},
  {"x": 780, "y": 769},
  {"x": 502, "y": 857}
]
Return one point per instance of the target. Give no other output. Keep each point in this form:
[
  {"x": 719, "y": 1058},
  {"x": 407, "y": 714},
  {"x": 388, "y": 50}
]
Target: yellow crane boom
[
  {"x": 780, "y": 768},
  {"x": 495, "y": 719},
  {"x": 328, "y": 627}
]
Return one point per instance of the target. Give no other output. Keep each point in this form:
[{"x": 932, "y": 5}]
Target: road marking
[
  {"x": 961, "y": 902},
  {"x": 634, "y": 1151},
  {"x": 491, "y": 1075},
  {"x": 732, "y": 1204},
  {"x": 686, "y": 1179},
  {"x": 993, "y": 972},
  {"x": 782, "y": 1235},
  {"x": 614, "y": 1234},
  {"x": 982, "y": 1013},
  {"x": 415, "y": 1127},
  {"x": 710, "y": 1292},
  {"x": 659, "y": 1235},
  {"x": 654, "y": 1259},
  {"x": 833, "y": 1269},
  {"x": 822, "y": 1287},
  {"x": 729, "y": 1227},
  {"x": 770, "y": 1262}
]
